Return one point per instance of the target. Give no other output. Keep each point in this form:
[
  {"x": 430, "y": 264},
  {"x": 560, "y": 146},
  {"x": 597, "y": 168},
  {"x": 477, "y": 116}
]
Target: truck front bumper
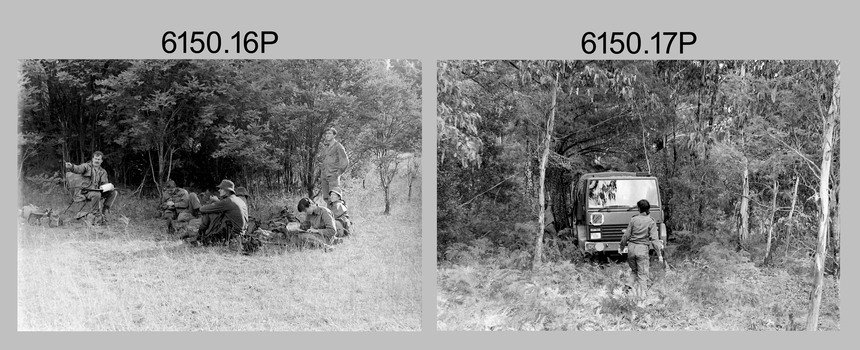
[{"x": 600, "y": 247}]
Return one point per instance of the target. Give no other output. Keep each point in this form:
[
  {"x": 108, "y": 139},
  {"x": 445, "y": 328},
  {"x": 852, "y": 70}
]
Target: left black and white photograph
[{"x": 219, "y": 195}]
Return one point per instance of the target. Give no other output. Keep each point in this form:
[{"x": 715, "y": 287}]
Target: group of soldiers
[{"x": 226, "y": 215}]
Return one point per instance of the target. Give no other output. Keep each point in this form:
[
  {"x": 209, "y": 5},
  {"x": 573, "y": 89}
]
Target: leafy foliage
[
  {"x": 696, "y": 125},
  {"x": 258, "y": 122}
]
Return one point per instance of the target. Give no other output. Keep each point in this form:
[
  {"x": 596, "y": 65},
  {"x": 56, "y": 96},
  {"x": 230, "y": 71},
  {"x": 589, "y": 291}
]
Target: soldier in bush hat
[
  {"x": 227, "y": 217},
  {"x": 337, "y": 207},
  {"x": 334, "y": 163}
]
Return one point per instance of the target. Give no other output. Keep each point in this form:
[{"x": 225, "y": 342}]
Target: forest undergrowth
[{"x": 483, "y": 286}]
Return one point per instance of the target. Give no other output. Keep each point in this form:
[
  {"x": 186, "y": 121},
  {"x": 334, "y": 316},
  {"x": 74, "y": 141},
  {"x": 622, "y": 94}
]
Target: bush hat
[
  {"x": 227, "y": 185},
  {"x": 337, "y": 191},
  {"x": 241, "y": 191}
]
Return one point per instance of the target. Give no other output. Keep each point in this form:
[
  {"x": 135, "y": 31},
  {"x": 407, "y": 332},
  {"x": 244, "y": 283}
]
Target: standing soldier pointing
[{"x": 334, "y": 163}]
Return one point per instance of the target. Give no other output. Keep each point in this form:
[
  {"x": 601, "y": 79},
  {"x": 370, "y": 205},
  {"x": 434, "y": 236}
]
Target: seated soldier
[
  {"x": 179, "y": 205},
  {"x": 226, "y": 218},
  {"x": 317, "y": 219},
  {"x": 337, "y": 207},
  {"x": 94, "y": 187},
  {"x": 241, "y": 192}
]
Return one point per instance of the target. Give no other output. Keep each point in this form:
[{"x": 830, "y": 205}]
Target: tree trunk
[
  {"x": 169, "y": 163},
  {"x": 767, "y": 253},
  {"x": 386, "y": 175},
  {"x": 411, "y": 175},
  {"x": 162, "y": 158},
  {"x": 790, "y": 216},
  {"x": 387, "y": 201},
  {"x": 541, "y": 196},
  {"x": 745, "y": 215},
  {"x": 824, "y": 196},
  {"x": 154, "y": 178},
  {"x": 834, "y": 229},
  {"x": 644, "y": 144}
]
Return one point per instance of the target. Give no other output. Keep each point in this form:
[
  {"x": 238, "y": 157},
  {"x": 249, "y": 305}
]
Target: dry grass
[{"x": 134, "y": 277}]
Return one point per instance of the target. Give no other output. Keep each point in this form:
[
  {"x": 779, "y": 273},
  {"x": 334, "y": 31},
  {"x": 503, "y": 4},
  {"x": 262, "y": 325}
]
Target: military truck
[{"x": 603, "y": 204}]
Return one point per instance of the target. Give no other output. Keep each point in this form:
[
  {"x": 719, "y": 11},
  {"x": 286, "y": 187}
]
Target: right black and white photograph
[{"x": 638, "y": 195}]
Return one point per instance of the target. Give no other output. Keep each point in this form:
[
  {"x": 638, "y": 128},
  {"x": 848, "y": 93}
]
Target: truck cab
[{"x": 604, "y": 203}]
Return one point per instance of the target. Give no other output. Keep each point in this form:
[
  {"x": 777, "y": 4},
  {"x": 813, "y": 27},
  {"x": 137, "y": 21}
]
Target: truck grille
[{"x": 612, "y": 232}]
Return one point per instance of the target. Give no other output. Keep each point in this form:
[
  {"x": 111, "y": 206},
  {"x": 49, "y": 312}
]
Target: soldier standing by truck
[{"x": 640, "y": 236}]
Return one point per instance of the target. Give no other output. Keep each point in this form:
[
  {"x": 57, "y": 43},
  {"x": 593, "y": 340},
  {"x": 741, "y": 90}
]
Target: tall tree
[
  {"x": 393, "y": 128},
  {"x": 550, "y": 122},
  {"x": 829, "y": 120},
  {"x": 154, "y": 107}
]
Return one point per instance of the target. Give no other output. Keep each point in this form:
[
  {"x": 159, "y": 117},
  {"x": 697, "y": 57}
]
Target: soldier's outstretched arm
[{"x": 77, "y": 169}]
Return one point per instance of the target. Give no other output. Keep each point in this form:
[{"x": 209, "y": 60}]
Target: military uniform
[
  {"x": 341, "y": 218},
  {"x": 321, "y": 219},
  {"x": 90, "y": 180},
  {"x": 640, "y": 235},
  {"x": 334, "y": 164},
  {"x": 179, "y": 208},
  {"x": 226, "y": 217}
]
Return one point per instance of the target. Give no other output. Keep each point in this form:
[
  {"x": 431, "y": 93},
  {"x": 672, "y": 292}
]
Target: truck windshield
[{"x": 622, "y": 193}]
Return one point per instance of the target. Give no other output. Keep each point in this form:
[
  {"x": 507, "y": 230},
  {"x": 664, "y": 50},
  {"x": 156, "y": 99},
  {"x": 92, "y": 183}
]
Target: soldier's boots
[{"x": 105, "y": 216}]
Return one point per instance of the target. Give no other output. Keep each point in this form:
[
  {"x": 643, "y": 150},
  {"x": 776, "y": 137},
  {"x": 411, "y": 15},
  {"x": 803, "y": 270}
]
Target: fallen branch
[{"x": 488, "y": 190}]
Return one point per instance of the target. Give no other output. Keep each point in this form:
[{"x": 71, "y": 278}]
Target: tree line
[
  {"x": 738, "y": 146},
  {"x": 258, "y": 122},
  {"x": 746, "y": 151}
]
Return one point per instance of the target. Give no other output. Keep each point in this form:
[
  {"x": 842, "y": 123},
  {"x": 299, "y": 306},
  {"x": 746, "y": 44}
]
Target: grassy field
[
  {"x": 134, "y": 277},
  {"x": 481, "y": 287}
]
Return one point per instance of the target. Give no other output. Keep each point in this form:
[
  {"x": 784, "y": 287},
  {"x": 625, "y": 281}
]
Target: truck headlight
[{"x": 595, "y": 234}]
